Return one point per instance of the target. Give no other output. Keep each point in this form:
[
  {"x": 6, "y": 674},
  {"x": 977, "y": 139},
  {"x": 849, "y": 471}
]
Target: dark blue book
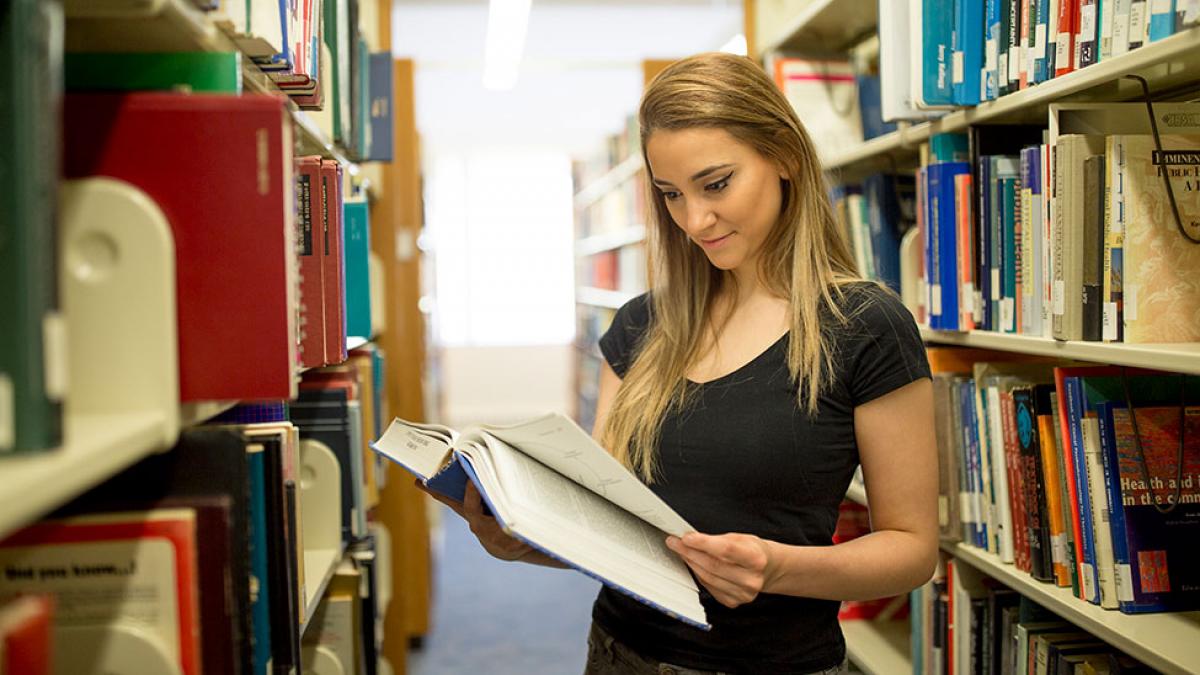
[
  {"x": 984, "y": 241},
  {"x": 885, "y": 219},
  {"x": 870, "y": 108},
  {"x": 942, "y": 200},
  {"x": 381, "y": 104}
]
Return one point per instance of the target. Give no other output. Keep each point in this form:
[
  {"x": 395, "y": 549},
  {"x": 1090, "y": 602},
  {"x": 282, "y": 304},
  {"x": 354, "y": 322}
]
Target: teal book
[
  {"x": 358, "y": 275},
  {"x": 949, "y": 147},
  {"x": 1010, "y": 217},
  {"x": 260, "y": 599},
  {"x": 32, "y": 340},
  {"x": 209, "y": 72}
]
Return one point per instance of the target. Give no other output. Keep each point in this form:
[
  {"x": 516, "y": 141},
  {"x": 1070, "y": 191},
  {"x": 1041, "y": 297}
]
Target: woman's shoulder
[
  {"x": 867, "y": 304},
  {"x": 636, "y": 312}
]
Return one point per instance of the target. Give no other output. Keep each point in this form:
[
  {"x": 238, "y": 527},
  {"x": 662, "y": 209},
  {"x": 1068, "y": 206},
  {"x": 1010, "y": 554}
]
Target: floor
[{"x": 502, "y": 618}]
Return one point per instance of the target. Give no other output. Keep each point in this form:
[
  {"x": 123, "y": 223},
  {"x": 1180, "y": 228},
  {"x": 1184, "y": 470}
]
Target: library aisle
[{"x": 273, "y": 272}]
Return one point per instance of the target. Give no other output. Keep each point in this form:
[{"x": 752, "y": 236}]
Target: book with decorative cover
[
  {"x": 1161, "y": 286},
  {"x": 553, "y": 487},
  {"x": 1162, "y": 549}
]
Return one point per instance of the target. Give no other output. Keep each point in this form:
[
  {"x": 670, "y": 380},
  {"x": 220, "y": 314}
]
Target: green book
[
  {"x": 210, "y": 72},
  {"x": 336, "y": 32},
  {"x": 32, "y": 337}
]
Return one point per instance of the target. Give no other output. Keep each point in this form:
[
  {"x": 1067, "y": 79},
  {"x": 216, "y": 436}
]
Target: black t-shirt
[{"x": 744, "y": 457}]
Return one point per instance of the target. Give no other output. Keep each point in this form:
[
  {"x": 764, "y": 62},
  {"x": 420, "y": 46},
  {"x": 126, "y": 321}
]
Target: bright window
[{"x": 500, "y": 224}]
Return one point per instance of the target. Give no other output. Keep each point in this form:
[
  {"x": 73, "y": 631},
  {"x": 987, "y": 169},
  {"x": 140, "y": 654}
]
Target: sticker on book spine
[
  {"x": 1087, "y": 21},
  {"x": 1039, "y": 46},
  {"x": 1109, "y": 333},
  {"x": 1008, "y": 315},
  {"x": 1058, "y": 549},
  {"x": 964, "y": 508},
  {"x": 935, "y": 299},
  {"x": 1124, "y": 575},
  {"x": 968, "y": 299},
  {"x": 54, "y": 355},
  {"x": 1089, "y": 582},
  {"x": 1057, "y": 294},
  {"x": 995, "y": 284},
  {"x": 8, "y": 414}
]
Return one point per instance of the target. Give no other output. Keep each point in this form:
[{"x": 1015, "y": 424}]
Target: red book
[
  {"x": 1016, "y": 483},
  {"x": 335, "y": 264},
  {"x": 310, "y": 209},
  {"x": 25, "y": 636},
  {"x": 1068, "y": 25},
  {"x": 220, "y": 168},
  {"x": 138, "y": 567}
]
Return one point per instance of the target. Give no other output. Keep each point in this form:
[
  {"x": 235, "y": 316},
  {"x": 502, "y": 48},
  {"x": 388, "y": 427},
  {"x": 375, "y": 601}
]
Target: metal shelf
[
  {"x": 1165, "y": 642},
  {"x": 857, "y": 493},
  {"x": 878, "y": 647},
  {"x": 823, "y": 27},
  {"x": 319, "y": 568},
  {"x": 607, "y": 242},
  {"x": 1180, "y": 358},
  {"x": 1168, "y": 65},
  {"x": 606, "y": 183},
  {"x": 599, "y": 297}
]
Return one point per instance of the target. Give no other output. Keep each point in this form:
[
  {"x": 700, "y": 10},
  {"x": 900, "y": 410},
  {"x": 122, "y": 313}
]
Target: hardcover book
[
  {"x": 1161, "y": 289},
  {"x": 550, "y": 485},
  {"x": 232, "y": 215},
  {"x": 311, "y": 241}
]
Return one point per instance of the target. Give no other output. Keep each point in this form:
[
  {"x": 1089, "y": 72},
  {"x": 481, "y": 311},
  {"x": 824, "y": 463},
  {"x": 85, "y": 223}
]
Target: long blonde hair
[{"x": 804, "y": 258}]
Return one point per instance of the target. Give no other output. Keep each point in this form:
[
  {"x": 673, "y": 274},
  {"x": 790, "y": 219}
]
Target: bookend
[
  {"x": 117, "y": 274},
  {"x": 320, "y": 512}
]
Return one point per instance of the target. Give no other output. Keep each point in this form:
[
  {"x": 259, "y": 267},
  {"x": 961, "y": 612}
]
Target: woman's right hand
[{"x": 485, "y": 528}]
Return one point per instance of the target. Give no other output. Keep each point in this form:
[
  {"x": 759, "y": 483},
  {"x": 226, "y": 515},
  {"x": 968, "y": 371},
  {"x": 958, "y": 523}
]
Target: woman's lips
[{"x": 713, "y": 243}]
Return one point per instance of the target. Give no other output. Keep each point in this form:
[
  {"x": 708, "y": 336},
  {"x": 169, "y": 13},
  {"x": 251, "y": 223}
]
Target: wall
[{"x": 504, "y": 384}]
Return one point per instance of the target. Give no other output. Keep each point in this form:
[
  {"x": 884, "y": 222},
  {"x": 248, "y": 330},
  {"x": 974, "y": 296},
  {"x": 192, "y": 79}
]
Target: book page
[
  {"x": 559, "y": 443},
  {"x": 528, "y": 483},
  {"x": 422, "y": 449}
]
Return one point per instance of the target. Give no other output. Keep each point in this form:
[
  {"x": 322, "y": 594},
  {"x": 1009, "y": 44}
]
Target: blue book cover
[
  {"x": 971, "y": 446},
  {"x": 870, "y": 107},
  {"x": 260, "y": 599},
  {"x": 358, "y": 274},
  {"x": 1162, "y": 19},
  {"x": 984, "y": 242},
  {"x": 1075, "y": 407},
  {"x": 937, "y": 22},
  {"x": 1162, "y": 548},
  {"x": 884, "y": 219},
  {"x": 253, "y": 413},
  {"x": 992, "y": 28},
  {"x": 1039, "y": 42},
  {"x": 930, "y": 183},
  {"x": 380, "y": 87},
  {"x": 942, "y": 198},
  {"x": 968, "y": 51},
  {"x": 949, "y": 147}
]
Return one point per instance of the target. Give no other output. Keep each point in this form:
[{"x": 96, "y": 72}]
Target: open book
[{"x": 551, "y": 486}]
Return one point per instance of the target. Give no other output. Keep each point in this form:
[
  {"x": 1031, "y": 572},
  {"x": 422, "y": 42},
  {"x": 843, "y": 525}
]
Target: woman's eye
[
  {"x": 670, "y": 195},
  {"x": 718, "y": 185}
]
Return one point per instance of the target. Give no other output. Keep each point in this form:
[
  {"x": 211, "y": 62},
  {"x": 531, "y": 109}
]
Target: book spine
[
  {"x": 1064, "y": 55},
  {"x": 1120, "y": 26},
  {"x": 1083, "y": 490},
  {"x": 996, "y": 246},
  {"x": 1138, "y": 23},
  {"x": 1016, "y": 483},
  {"x": 966, "y": 261},
  {"x": 992, "y": 531},
  {"x": 1087, "y": 38},
  {"x": 1009, "y": 267},
  {"x": 1091, "y": 582},
  {"x": 1094, "y": 244},
  {"x": 1102, "y": 533},
  {"x": 1027, "y": 35},
  {"x": 991, "y": 79},
  {"x": 1038, "y": 41},
  {"x": 1116, "y": 511},
  {"x": 1028, "y": 234},
  {"x": 991, "y": 429},
  {"x": 1105, "y": 32},
  {"x": 984, "y": 240}
]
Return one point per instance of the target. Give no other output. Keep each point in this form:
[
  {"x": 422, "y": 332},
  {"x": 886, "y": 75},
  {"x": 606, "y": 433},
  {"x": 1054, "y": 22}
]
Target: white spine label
[
  {"x": 8, "y": 415},
  {"x": 1057, "y": 295},
  {"x": 995, "y": 283},
  {"x": 1110, "y": 322}
]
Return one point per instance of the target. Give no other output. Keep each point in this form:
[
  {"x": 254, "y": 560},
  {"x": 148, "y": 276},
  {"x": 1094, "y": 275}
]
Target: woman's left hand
[{"x": 735, "y": 568}]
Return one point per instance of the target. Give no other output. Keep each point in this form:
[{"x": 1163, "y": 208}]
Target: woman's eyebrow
[{"x": 698, "y": 175}]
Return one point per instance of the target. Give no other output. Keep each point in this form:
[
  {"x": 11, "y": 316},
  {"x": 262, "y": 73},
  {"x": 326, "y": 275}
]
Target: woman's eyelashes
[{"x": 713, "y": 188}]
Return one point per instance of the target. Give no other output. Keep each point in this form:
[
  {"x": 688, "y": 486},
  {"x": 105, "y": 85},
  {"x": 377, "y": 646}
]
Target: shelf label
[
  {"x": 8, "y": 414},
  {"x": 1110, "y": 322}
]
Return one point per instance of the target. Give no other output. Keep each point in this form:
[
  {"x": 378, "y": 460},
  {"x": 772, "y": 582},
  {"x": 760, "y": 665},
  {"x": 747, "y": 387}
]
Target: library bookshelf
[
  {"x": 1165, "y": 642},
  {"x": 108, "y": 429}
]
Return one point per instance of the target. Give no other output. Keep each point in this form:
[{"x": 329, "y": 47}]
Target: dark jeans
[{"x": 606, "y": 656}]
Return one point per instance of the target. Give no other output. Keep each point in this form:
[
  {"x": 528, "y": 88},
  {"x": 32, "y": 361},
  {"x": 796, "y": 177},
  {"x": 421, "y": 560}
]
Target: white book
[
  {"x": 898, "y": 47},
  {"x": 1105, "y": 565},
  {"x": 551, "y": 486}
]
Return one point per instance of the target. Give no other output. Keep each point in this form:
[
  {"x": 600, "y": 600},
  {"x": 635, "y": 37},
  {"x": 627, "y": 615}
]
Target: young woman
[{"x": 746, "y": 388}]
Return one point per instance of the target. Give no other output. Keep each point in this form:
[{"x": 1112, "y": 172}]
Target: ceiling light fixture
[{"x": 508, "y": 21}]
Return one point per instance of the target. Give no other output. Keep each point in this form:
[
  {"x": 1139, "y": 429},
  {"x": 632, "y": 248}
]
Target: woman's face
[{"x": 721, "y": 192}]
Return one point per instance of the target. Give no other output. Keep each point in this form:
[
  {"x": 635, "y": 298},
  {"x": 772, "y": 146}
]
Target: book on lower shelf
[{"x": 550, "y": 485}]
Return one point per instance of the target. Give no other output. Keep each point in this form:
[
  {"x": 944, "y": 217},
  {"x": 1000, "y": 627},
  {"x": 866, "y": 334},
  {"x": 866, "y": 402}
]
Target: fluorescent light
[
  {"x": 507, "y": 23},
  {"x": 736, "y": 45}
]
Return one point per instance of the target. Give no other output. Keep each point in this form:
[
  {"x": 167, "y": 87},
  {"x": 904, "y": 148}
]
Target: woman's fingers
[{"x": 457, "y": 507}]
